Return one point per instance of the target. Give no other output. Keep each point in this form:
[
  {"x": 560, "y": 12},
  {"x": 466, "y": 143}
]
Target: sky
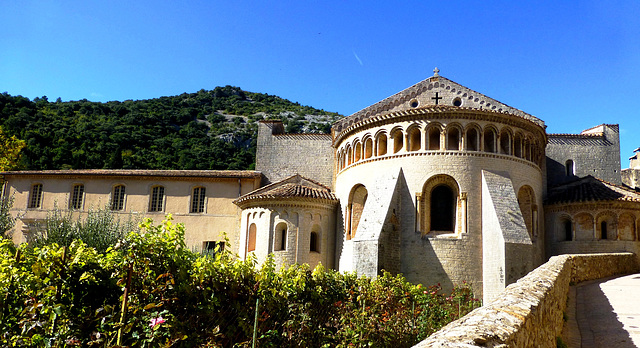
[{"x": 573, "y": 64}]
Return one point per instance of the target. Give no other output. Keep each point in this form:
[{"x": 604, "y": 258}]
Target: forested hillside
[{"x": 205, "y": 130}]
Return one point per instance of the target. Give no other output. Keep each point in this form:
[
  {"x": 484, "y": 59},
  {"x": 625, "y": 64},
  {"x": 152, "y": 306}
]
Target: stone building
[{"x": 438, "y": 182}]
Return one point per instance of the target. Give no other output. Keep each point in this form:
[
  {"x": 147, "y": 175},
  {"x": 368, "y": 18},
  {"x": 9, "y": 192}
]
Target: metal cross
[{"x": 436, "y": 98}]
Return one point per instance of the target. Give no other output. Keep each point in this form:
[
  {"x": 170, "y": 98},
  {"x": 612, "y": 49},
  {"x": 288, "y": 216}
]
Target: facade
[
  {"x": 438, "y": 182},
  {"x": 201, "y": 200}
]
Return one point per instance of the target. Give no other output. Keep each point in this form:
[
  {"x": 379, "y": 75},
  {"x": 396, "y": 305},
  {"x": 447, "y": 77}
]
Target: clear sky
[{"x": 574, "y": 64}]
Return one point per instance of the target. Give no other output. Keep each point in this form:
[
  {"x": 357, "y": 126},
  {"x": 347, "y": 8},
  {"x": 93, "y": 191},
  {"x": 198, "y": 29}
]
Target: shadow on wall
[
  {"x": 557, "y": 173},
  {"x": 339, "y": 236}
]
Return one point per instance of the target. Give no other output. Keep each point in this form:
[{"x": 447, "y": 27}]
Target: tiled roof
[
  {"x": 590, "y": 189},
  {"x": 139, "y": 173},
  {"x": 596, "y": 139},
  {"x": 293, "y": 187}
]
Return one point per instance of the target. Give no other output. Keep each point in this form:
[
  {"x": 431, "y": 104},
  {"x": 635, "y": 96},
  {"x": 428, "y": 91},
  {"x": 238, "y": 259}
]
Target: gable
[{"x": 435, "y": 92}]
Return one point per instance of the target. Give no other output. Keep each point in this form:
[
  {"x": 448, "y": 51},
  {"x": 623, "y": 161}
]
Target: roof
[
  {"x": 423, "y": 90},
  {"x": 295, "y": 187},
  {"x": 597, "y": 139},
  {"x": 139, "y": 173},
  {"x": 590, "y": 189}
]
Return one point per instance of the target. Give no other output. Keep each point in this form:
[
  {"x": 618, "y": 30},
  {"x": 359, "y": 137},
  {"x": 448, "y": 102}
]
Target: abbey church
[{"x": 437, "y": 182}]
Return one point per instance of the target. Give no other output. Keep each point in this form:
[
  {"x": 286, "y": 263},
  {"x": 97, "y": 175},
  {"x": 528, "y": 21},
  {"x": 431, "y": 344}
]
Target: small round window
[
  {"x": 414, "y": 103},
  {"x": 457, "y": 102}
]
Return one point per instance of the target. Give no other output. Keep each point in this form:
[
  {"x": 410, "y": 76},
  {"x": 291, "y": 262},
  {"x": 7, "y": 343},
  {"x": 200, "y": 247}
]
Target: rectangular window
[
  {"x": 35, "y": 200},
  {"x": 212, "y": 247},
  {"x": 76, "y": 197},
  {"x": 156, "y": 199},
  {"x": 197, "y": 200},
  {"x": 117, "y": 197}
]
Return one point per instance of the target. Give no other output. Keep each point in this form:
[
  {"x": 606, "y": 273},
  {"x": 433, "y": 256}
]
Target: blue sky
[{"x": 574, "y": 64}]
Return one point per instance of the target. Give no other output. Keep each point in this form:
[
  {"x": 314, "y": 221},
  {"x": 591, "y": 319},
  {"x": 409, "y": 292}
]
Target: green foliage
[
  {"x": 10, "y": 148},
  {"x": 188, "y": 131},
  {"x": 7, "y": 221},
  {"x": 63, "y": 296},
  {"x": 100, "y": 229}
]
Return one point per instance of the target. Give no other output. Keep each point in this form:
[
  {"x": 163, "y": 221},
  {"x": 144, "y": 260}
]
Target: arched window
[
  {"x": 381, "y": 144},
  {"x": 605, "y": 227},
  {"x": 453, "y": 139},
  {"x": 489, "y": 140},
  {"x": 349, "y": 156},
  {"x": 280, "y": 242},
  {"x": 434, "y": 138},
  {"x": 357, "y": 200},
  {"x": 528, "y": 208},
  {"x": 117, "y": 197},
  {"x": 472, "y": 139},
  {"x": 314, "y": 242},
  {"x": 251, "y": 244},
  {"x": 368, "y": 148},
  {"x": 517, "y": 145},
  {"x": 603, "y": 230},
  {"x": 439, "y": 205},
  {"x": 505, "y": 142},
  {"x": 442, "y": 209},
  {"x": 357, "y": 147},
  {"x": 398, "y": 141},
  {"x": 414, "y": 139},
  {"x": 570, "y": 168}
]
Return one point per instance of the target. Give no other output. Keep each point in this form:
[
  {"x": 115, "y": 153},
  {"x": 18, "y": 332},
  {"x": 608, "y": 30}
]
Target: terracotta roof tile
[
  {"x": 140, "y": 173},
  {"x": 590, "y": 189},
  {"x": 293, "y": 187}
]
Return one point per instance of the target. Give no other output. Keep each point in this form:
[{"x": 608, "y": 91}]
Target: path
[{"x": 604, "y": 313}]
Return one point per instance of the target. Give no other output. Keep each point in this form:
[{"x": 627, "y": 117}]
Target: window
[
  {"x": 357, "y": 200},
  {"x": 382, "y": 144},
  {"x": 212, "y": 247},
  {"x": 251, "y": 243},
  {"x": 603, "y": 230},
  {"x": 76, "y": 197},
  {"x": 472, "y": 139},
  {"x": 414, "y": 139},
  {"x": 313, "y": 242},
  {"x": 35, "y": 198},
  {"x": 453, "y": 139},
  {"x": 568, "y": 230},
  {"x": 280, "y": 242},
  {"x": 569, "y": 166},
  {"x": 398, "y": 142},
  {"x": 368, "y": 148},
  {"x": 528, "y": 208},
  {"x": 117, "y": 197},
  {"x": 434, "y": 138},
  {"x": 157, "y": 198},
  {"x": 442, "y": 209},
  {"x": 489, "y": 140},
  {"x": 441, "y": 206},
  {"x": 197, "y": 200}
]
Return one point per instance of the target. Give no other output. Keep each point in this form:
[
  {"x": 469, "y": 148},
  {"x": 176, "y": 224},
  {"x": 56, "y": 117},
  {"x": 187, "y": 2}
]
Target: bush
[
  {"x": 156, "y": 292},
  {"x": 100, "y": 229}
]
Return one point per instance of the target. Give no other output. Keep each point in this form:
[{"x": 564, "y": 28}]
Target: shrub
[{"x": 156, "y": 292}]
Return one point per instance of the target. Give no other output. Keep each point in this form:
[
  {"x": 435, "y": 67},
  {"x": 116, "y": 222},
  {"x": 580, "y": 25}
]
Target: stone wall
[
  {"x": 594, "y": 151},
  {"x": 529, "y": 313},
  {"x": 279, "y": 155}
]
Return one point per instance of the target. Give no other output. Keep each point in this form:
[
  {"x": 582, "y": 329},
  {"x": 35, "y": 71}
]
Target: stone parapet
[{"x": 529, "y": 313}]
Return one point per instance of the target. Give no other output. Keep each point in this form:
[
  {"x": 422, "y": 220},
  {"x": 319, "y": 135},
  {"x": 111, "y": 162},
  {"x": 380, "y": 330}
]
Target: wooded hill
[{"x": 214, "y": 129}]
